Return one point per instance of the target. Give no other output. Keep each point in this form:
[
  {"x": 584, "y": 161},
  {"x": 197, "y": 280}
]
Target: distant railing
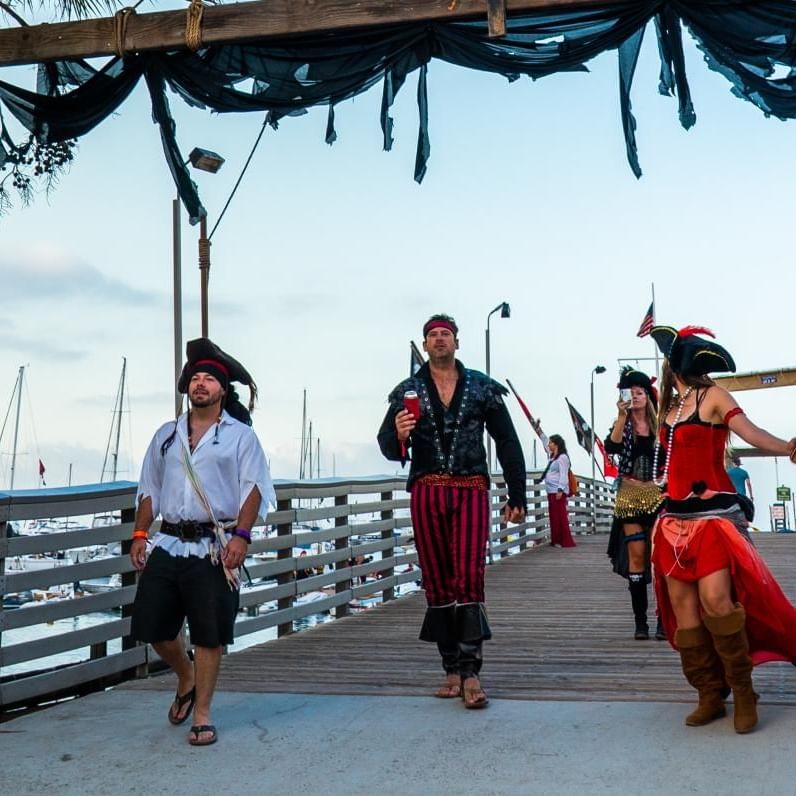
[{"x": 334, "y": 521}]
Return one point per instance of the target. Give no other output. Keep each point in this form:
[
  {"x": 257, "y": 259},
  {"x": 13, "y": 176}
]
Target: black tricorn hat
[
  {"x": 630, "y": 377},
  {"x": 204, "y": 352},
  {"x": 689, "y": 354}
]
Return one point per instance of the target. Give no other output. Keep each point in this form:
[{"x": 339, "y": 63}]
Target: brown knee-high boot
[
  {"x": 703, "y": 669},
  {"x": 729, "y": 638}
]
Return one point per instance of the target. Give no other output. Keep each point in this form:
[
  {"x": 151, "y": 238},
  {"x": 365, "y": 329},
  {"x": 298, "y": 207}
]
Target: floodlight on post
[
  {"x": 205, "y": 160},
  {"x": 597, "y": 369}
]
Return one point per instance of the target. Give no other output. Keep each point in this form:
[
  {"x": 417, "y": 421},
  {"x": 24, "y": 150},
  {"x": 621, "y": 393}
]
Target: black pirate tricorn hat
[
  {"x": 630, "y": 377},
  {"x": 692, "y": 355},
  {"x": 204, "y": 356}
]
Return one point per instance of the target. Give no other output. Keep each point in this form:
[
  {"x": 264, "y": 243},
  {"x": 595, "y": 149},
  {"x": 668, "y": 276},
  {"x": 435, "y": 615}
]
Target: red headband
[
  {"x": 439, "y": 325},
  {"x": 196, "y": 366}
]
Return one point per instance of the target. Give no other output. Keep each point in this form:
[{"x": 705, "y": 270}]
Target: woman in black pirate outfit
[{"x": 638, "y": 499}]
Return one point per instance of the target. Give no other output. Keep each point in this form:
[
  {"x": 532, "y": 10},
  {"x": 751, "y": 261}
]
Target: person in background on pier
[
  {"x": 740, "y": 477},
  {"x": 638, "y": 498},
  {"x": 720, "y": 605},
  {"x": 556, "y": 485},
  {"x": 450, "y": 502},
  {"x": 206, "y": 475},
  {"x": 303, "y": 572}
]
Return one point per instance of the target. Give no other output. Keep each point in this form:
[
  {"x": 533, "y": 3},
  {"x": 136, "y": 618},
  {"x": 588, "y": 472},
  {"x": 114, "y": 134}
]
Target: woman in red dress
[{"x": 720, "y": 605}]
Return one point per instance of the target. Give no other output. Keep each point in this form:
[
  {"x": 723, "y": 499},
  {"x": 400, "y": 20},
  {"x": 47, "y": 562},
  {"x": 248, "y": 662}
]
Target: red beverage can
[{"x": 412, "y": 403}]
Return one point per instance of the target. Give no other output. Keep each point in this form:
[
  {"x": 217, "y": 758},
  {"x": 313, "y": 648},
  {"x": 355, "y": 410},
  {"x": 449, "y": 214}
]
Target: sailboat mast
[
  {"x": 119, "y": 409},
  {"x": 309, "y": 449},
  {"x": 303, "y": 454},
  {"x": 16, "y": 424}
]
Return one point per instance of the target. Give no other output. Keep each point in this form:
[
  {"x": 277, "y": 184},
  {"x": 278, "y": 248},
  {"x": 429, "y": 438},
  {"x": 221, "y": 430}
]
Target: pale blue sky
[{"x": 330, "y": 259}]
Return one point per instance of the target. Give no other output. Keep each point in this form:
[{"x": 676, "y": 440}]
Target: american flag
[{"x": 647, "y": 323}]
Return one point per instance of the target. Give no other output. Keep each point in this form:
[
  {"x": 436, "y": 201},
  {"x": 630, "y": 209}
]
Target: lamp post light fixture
[
  {"x": 205, "y": 160},
  {"x": 211, "y": 162},
  {"x": 505, "y": 312},
  {"x": 597, "y": 369}
]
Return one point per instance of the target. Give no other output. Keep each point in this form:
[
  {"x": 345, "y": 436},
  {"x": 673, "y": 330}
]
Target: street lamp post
[
  {"x": 203, "y": 160},
  {"x": 177, "y": 276},
  {"x": 505, "y": 312},
  {"x": 597, "y": 369}
]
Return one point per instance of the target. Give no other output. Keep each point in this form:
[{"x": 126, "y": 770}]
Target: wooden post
[
  {"x": 285, "y": 529},
  {"x": 340, "y": 544},
  {"x": 387, "y": 514},
  {"x": 3, "y": 554},
  {"x": 496, "y": 17},
  {"x": 204, "y": 274},
  {"x": 130, "y": 579}
]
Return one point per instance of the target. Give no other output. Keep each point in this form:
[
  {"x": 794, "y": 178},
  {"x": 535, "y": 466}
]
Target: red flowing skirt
[{"x": 690, "y": 549}]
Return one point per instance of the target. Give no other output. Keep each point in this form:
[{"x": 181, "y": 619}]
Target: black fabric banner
[{"x": 750, "y": 42}]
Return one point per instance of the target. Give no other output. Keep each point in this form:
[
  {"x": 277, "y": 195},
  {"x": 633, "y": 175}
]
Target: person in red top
[{"x": 720, "y": 606}]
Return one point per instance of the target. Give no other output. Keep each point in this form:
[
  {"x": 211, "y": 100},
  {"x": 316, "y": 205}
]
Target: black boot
[
  {"x": 638, "y": 596},
  {"x": 472, "y": 628},
  {"x": 439, "y": 625}
]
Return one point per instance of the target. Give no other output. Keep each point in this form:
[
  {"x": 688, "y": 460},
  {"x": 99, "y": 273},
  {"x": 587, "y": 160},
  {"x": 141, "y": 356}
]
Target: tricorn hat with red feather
[{"x": 690, "y": 354}]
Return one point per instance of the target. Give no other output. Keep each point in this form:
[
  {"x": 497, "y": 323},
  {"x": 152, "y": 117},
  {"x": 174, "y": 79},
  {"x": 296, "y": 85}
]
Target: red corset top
[{"x": 697, "y": 455}]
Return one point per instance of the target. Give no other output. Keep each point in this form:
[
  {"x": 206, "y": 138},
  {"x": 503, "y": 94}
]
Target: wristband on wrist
[
  {"x": 140, "y": 534},
  {"x": 244, "y": 534}
]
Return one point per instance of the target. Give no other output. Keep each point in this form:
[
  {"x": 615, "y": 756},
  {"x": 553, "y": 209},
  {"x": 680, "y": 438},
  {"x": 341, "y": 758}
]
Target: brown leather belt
[{"x": 460, "y": 481}]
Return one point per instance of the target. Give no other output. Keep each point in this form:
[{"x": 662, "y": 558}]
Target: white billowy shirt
[
  {"x": 557, "y": 475},
  {"x": 229, "y": 463}
]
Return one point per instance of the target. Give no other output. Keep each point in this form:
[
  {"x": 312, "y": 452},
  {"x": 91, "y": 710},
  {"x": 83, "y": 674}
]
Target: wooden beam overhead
[
  {"x": 244, "y": 22},
  {"x": 758, "y": 380}
]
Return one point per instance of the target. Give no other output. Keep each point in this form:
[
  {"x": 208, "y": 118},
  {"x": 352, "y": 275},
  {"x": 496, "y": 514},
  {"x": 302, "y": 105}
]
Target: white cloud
[{"x": 46, "y": 273}]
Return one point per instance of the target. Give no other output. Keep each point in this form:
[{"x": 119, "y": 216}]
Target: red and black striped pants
[{"x": 451, "y": 526}]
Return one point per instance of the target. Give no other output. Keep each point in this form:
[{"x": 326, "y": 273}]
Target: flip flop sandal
[
  {"x": 197, "y": 730},
  {"x": 448, "y": 691},
  {"x": 478, "y": 702},
  {"x": 180, "y": 702}
]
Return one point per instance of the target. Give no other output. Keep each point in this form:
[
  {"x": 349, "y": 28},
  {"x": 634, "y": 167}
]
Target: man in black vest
[{"x": 450, "y": 503}]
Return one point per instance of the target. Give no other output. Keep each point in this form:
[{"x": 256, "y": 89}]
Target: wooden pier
[
  {"x": 356, "y": 533},
  {"x": 562, "y": 627}
]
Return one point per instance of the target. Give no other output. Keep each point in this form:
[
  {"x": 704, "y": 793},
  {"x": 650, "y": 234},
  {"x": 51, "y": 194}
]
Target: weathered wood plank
[
  {"x": 562, "y": 626},
  {"x": 253, "y": 21},
  {"x": 28, "y": 688},
  {"x": 66, "y": 609},
  {"x": 64, "y": 642}
]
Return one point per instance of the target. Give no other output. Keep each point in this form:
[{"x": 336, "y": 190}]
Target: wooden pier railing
[{"x": 330, "y": 545}]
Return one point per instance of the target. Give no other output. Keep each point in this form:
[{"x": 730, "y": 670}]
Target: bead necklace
[{"x": 663, "y": 481}]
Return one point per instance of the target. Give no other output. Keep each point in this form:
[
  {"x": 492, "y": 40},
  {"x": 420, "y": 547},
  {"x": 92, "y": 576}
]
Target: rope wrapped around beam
[
  {"x": 193, "y": 25},
  {"x": 120, "y": 20}
]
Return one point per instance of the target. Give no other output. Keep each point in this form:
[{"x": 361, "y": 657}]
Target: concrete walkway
[{"x": 119, "y": 742}]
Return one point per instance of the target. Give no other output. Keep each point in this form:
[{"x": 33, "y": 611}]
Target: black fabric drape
[{"x": 750, "y": 42}]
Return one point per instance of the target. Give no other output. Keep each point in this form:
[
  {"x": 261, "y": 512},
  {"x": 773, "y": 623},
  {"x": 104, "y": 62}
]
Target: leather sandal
[
  {"x": 448, "y": 691},
  {"x": 474, "y": 696}
]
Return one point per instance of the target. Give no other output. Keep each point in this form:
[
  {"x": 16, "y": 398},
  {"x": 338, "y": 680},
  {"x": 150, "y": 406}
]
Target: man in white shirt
[{"x": 207, "y": 477}]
